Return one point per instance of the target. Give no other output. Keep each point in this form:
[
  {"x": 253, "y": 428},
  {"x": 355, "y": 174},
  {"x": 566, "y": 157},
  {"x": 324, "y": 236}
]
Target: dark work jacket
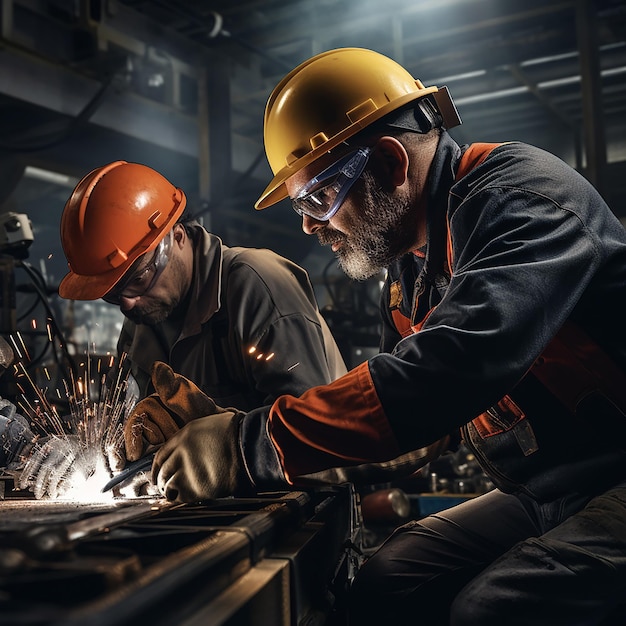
[
  {"x": 523, "y": 255},
  {"x": 252, "y": 330}
]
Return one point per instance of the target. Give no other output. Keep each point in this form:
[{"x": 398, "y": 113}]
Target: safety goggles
[
  {"x": 322, "y": 196},
  {"x": 140, "y": 280}
]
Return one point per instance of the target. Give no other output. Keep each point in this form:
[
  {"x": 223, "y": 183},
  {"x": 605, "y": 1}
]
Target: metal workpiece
[{"x": 145, "y": 560}]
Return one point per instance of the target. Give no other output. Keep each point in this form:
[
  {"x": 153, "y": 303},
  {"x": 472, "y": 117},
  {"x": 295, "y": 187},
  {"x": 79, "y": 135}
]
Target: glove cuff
[{"x": 259, "y": 456}]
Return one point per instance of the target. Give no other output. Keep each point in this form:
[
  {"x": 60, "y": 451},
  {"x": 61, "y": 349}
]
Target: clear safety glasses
[
  {"x": 141, "y": 279},
  {"x": 322, "y": 196}
]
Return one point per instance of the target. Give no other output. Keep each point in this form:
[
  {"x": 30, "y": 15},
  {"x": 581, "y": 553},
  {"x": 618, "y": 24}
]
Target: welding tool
[{"x": 131, "y": 470}]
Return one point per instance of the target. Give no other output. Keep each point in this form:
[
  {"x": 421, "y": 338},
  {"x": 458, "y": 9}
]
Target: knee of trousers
[
  {"x": 468, "y": 609},
  {"x": 375, "y": 594},
  {"x": 536, "y": 576},
  {"x": 368, "y": 585},
  {"x": 487, "y": 598}
]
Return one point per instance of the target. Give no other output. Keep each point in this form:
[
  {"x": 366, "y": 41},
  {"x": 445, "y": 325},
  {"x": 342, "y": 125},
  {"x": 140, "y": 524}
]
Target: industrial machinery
[{"x": 277, "y": 558}]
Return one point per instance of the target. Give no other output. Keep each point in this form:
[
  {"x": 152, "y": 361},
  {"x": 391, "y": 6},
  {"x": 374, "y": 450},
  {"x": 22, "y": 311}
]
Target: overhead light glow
[{"x": 48, "y": 176}]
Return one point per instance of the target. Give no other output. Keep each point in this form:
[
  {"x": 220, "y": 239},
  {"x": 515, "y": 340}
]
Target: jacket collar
[
  {"x": 205, "y": 298},
  {"x": 204, "y": 301},
  {"x": 440, "y": 181}
]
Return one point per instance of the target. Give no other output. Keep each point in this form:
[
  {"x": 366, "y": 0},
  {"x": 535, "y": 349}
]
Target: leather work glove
[
  {"x": 157, "y": 418},
  {"x": 138, "y": 485},
  {"x": 202, "y": 461}
]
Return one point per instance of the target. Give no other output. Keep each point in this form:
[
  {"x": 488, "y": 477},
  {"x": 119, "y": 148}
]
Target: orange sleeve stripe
[{"x": 333, "y": 425}]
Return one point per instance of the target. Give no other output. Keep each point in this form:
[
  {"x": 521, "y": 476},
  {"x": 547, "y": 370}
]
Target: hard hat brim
[{"x": 77, "y": 287}]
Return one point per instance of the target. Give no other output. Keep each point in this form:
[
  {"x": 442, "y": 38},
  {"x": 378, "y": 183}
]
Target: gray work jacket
[{"x": 252, "y": 330}]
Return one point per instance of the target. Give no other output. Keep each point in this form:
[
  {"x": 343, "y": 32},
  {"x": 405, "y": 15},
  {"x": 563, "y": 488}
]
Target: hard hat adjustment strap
[{"x": 447, "y": 108}]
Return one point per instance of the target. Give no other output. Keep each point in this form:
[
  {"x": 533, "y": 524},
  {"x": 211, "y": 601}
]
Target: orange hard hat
[
  {"x": 328, "y": 99},
  {"x": 115, "y": 214}
]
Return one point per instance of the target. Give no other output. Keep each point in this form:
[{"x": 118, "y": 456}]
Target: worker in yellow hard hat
[{"x": 502, "y": 312}]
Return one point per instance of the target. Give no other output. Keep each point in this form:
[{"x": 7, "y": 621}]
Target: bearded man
[{"x": 503, "y": 323}]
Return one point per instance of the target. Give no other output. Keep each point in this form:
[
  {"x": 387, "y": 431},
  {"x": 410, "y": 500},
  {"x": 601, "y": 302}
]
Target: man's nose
[
  {"x": 127, "y": 303},
  {"x": 310, "y": 225}
]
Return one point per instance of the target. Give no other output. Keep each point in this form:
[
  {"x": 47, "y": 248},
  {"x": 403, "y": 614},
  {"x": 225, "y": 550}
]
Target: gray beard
[{"x": 381, "y": 232}]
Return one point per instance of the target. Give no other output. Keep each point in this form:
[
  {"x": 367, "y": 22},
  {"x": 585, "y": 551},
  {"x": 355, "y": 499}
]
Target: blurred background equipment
[
  {"x": 451, "y": 479},
  {"x": 16, "y": 234},
  {"x": 182, "y": 86}
]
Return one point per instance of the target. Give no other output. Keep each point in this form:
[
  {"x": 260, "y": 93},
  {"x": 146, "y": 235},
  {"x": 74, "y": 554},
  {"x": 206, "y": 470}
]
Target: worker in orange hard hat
[
  {"x": 241, "y": 323},
  {"x": 502, "y": 313},
  {"x": 115, "y": 215}
]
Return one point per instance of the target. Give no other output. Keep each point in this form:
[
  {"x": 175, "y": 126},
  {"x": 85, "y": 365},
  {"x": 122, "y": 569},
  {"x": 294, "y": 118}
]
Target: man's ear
[
  {"x": 180, "y": 235},
  {"x": 393, "y": 159}
]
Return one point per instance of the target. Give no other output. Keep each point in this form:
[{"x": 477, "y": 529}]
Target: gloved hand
[
  {"x": 202, "y": 461},
  {"x": 51, "y": 463},
  {"x": 138, "y": 485},
  {"x": 16, "y": 437},
  {"x": 160, "y": 416}
]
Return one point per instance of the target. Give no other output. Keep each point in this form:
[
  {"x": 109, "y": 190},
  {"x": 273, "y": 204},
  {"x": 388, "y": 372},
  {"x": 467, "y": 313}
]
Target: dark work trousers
[{"x": 497, "y": 559}]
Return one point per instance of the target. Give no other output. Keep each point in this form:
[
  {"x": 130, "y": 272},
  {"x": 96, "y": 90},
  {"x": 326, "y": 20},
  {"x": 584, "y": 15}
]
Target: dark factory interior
[{"x": 181, "y": 86}]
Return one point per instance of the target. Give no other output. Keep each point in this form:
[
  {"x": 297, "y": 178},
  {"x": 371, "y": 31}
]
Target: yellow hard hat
[
  {"x": 115, "y": 214},
  {"x": 330, "y": 98}
]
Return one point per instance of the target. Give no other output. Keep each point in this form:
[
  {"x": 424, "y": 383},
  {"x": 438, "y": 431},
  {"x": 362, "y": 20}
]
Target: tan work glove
[
  {"x": 202, "y": 461},
  {"x": 160, "y": 416}
]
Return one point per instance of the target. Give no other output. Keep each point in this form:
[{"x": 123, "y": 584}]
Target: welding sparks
[
  {"x": 260, "y": 356},
  {"x": 69, "y": 458}
]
